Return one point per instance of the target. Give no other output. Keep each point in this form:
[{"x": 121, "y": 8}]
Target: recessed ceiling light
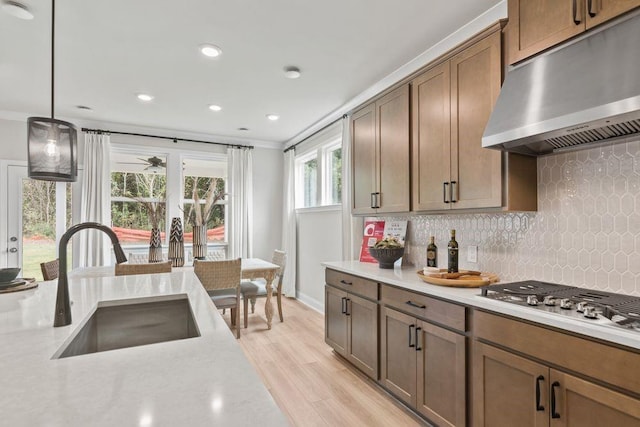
[
  {"x": 145, "y": 97},
  {"x": 214, "y": 107},
  {"x": 243, "y": 129},
  {"x": 210, "y": 50},
  {"x": 273, "y": 117},
  {"x": 84, "y": 108},
  {"x": 291, "y": 72},
  {"x": 17, "y": 9}
]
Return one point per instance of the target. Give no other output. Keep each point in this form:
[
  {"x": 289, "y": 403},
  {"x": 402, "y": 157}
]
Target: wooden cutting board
[
  {"x": 26, "y": 284},
  {"x": 466, "y": 278}
]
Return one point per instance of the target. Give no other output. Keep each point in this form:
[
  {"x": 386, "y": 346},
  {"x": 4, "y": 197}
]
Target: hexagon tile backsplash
[{"x": 586, "y": 232}]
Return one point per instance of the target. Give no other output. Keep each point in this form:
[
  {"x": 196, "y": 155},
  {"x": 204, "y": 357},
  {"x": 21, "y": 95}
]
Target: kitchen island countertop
[
  {"x": 407, "y": 278},
  {"x": 206, "y": 380}
]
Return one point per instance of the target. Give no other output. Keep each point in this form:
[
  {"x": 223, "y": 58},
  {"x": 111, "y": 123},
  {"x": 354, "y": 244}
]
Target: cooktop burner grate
[
  {"x": 630, "y": 309},
  {"x": 595, "y": 297},
  {"x": 527, "y": 287}
]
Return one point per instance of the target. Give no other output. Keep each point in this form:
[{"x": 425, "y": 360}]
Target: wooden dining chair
[
  {"x": 50, "y": 269},
  {"x": 252, "y": 289},
  {"x": 221, "y": 279},
  {"x": 126, "y": 269}
]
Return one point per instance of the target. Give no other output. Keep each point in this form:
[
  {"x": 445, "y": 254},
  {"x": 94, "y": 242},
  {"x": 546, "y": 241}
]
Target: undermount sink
[{"x": 132, "y": 323}]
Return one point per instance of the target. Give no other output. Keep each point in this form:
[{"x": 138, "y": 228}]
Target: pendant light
[{"x": 52, "y": 144}]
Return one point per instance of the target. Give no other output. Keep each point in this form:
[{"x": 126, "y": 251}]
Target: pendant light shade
[
  {"x": 53, "y": 149},
  {"x": 52, "y": 144}
]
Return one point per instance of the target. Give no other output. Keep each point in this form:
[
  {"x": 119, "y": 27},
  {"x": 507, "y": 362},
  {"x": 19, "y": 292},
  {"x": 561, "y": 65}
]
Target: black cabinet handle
[
  {"x": 373, "y": 202},
  {"x": 454, "y": 192},
  {"x": 539, "y": 407},
  {"x": 418, "y": 329},
  {"x": 574, "y": 6},
  {"x": 377, "y": 206},
  {"x": 411, "y": 335},
  {"x": 343, "y": 306},
  {"x": 346, "y": 307},
  {"x": 444, "y": 192},
  {"x": 344, "y": 282},
  {"x": 413, "y": 304},
  {"x": 592, "y": 13},
  {"x": 554, "y": 412}
]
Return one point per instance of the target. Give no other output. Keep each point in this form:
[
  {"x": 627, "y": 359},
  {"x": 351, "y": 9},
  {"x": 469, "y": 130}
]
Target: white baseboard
[{"x": 311, "y": 302}]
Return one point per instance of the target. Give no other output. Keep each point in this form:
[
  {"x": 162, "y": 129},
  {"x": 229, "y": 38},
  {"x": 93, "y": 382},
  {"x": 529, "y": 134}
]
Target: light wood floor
[{"x": 312, "y": 385}]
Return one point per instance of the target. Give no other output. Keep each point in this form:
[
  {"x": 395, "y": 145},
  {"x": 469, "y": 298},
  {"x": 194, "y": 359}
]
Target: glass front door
[{"x": 38, "y": 214}]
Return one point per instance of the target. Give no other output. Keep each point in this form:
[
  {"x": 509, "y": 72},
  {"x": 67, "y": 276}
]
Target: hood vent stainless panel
[{"x": 582, "y": 93}]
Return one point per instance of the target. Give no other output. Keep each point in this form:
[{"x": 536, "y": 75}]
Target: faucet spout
[{"x": 63, "y": 307}]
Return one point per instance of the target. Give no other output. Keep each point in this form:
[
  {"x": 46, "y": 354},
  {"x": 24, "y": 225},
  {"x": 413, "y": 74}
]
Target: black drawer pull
[
  {"x": 411, "y": 335},
  {"x": 373, "y": 203},
  {"x": 343, "y": 305},
  {"x": 344, "y": 282},
  {"x": 554, "y": 412},
  {"x": 346, "y": 307},
  {"x": 444, "y": 192},
  {"x": 454, "y": 193},
  {"x": 418, "y": 348},
  {"x": 413, "y": 304},
  {"x": 539, "y": 407}
]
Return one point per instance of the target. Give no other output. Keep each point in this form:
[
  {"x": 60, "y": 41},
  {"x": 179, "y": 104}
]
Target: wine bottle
[
  {"x": 432, "y": 253},
  {"x": 452, "y": 249}
]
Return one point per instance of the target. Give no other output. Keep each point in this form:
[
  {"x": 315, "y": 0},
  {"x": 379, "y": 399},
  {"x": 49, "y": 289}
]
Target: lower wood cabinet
[
  {"x": 510, "y": 390},
  {"x": 351, "y": 328},
  {"x": 424, "y": 365}
]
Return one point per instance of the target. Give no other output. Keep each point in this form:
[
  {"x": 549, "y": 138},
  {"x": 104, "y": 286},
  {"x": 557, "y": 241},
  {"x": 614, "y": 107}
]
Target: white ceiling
[{"x": 108, "y": 51}]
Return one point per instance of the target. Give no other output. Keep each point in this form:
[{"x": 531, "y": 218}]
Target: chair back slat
[
  {"x": 126, "y": 269},
  {"x": 214, "y": 275},
  {"x": 279, "y": 258},
  {"x": 50, "y": 269}
]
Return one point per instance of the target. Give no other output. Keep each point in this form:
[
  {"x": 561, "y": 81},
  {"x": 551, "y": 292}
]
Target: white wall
[
  {"x": 13, "y": 140},
  {"x": 267, "y": 201},
  {"x": 319, "y": 240}
]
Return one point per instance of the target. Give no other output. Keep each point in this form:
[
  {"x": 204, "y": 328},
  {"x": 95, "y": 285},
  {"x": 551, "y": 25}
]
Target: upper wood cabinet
[
  {"x": 380, "y": 153},
  {"x": 535, "y": 25},
  {"x": 452, "y": 102}
]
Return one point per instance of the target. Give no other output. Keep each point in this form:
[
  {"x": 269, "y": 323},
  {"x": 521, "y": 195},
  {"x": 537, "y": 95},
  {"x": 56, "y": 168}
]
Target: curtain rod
[
  {"x": 171, "y": 138},
  {"x": 292, "y": 147}
]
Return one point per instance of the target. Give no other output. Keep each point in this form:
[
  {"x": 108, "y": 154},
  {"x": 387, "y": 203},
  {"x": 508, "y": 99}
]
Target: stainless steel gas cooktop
[{"x": 604, "y": 308}]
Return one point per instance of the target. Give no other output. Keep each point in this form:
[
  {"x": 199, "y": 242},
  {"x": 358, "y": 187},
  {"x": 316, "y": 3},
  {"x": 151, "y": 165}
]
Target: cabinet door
[
  {"x": 441, "y": 392},
  {"x": 398, "y": 354},
  {"x": 599, "y": 11},
  {"x": 362, "y": 335},
  {"x": 335, "y": 320},
  {"x": 392, "y": 114},
  {"x": 582, "y": 403},
  {"x": 431, "y": 143},
  {"x": 505, "y": 389},
  {"x": 535, "y": 25},
  {"x": 476, "y": 174},
  {"x": 363, "y": 143}
]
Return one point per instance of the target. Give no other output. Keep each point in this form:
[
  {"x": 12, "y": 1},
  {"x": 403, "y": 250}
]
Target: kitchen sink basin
[{"x": 132, "y": 323}]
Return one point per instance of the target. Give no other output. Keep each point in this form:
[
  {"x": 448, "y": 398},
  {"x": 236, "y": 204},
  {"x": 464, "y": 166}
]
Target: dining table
[{"x": 251, "y": 268}]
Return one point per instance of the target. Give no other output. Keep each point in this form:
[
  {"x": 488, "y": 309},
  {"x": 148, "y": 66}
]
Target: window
[
  {"x": 319, "y": 176},
  {"x": 138, "y": 198}
]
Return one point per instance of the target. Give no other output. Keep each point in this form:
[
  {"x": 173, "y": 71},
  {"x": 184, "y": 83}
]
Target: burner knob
[
  {"x": 532, "y": 300},
  {"x": 550, "y": 300},
  {"x": 566, "y": 304},
  {"x": 590, "y": 312},
  {"x": 581, "y": 306}
]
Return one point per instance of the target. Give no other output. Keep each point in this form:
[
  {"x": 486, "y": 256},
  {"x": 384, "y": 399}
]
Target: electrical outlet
[{"x": 472, "y": 254}]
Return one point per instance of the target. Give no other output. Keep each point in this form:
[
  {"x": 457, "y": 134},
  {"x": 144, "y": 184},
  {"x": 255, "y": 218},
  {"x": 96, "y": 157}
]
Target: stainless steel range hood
[{"x": 585, "y": 92}]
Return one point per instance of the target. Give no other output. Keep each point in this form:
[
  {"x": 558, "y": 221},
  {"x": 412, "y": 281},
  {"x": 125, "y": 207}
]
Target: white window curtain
[
  {"x": 95, "y": 205},
  {"x": 351, "y": 226},
  {"x": 240, "y": 202},
  {"x": 289, "y": 238}
]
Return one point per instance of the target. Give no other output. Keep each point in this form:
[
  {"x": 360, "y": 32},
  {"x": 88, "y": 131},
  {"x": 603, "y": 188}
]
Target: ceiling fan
[{"x": 153, "y": 164}]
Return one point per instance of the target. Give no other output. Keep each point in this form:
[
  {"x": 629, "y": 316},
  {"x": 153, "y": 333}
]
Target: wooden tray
[
  {"x": 27, "y": 284},
  {"x": 465, "y": 281}
]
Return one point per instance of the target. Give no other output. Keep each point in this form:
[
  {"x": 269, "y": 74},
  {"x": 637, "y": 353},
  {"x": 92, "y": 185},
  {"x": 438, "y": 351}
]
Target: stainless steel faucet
[{"x": 63, "y": 307}]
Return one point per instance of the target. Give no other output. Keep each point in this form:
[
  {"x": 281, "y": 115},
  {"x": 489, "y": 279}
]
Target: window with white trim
[{"x": 319, "y": 175}]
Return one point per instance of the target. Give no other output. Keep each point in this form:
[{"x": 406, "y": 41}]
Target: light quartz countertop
[
  {"x": 199, "y": 381},
  {"x": 407, "y": 278}
]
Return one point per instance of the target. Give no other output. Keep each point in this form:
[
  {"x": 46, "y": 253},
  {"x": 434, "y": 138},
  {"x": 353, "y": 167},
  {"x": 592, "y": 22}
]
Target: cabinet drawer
[
  {"x": 424, "y": 307},
  {"x": 354, "y": 284}
]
